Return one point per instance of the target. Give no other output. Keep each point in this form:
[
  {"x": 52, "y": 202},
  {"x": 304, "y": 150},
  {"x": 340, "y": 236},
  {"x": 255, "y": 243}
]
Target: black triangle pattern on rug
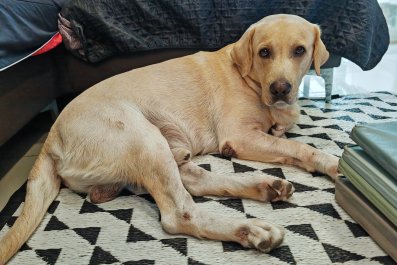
[
  {"x": 88, "y": 233},
  {"x": 374, "y": 98},
  {"x": 387, "y": 110},
  {"x": 283, "y": 253},
  {"x": 354, "y": 110},
  {"x": 55, "y": 224},
  {"x": 235, "y": 204},
  {"x": 330, "y": 190},
  {"x": 304, "y": 230},
  {"x": 25, "y": 247},
  {"x": 179, "y": 244},
  {"x": 325, "y": 208},
  {"x": 199, "y": 199},
  {"x": 282, "y": 205},
  {"x": 340, "y": 255},
  {"x": 385, "y": 92},
  {"x": 122, "y": 214},
  {"x": 356, "y": 229},
  {"x": 221, "y": 156},
  {"x": 10, "y": 222},
  {"x": 378, "y": 117},
  {"x": 345, "y": 118},
  {"x": 205, "y": 166},
  {"x": 100, "y": 256},
  {"x": 312, "y": 145},
  {"x": 135, "y": 235},
  {"x": 147, "y": 197},
  {"x": 53, "y": 207},
  {"x": 340, "y": 144},
  {"x": 239, "y": 168},
  {"x": 318, "y": 174},
  {"x": 302, "y": 188},
  {"x": 310, "y": 106},
  {"x": 290, "y": 135},
  {"x": 329, "y": 110},
  {"x": 90, "y": 208},
  {"x": 350, "y": 98},
  {"x": 249, "y": 216},
  {"x": 12, "y": 205},
  {"x": 229, "y": 246},
  {"x": 385, "y": 260},
  {"x": 323, "y": 136},
  {"x": 191, "y": 261},
  {"x": 276, "y": 172},
  {"x": 333, "y": 126},
  {"x": 306, "y": 126},
  {"x": 364, "y": 104},
  {"x": 140, "y": 262},
  {"x": 82, "y": 195},
  {"x": 48, "y": 255},
  {"x": 316, "y": 118}
]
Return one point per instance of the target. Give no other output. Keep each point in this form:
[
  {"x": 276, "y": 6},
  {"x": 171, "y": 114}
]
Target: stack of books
[{"x": 368, "y": 192}]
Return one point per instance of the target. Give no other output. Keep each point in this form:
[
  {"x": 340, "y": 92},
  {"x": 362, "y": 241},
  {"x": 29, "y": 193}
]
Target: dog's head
[{"x": 276, "y": 53}]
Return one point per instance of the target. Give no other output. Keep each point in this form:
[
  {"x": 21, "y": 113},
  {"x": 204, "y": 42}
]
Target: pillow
[{"x": 26, "y": 25}]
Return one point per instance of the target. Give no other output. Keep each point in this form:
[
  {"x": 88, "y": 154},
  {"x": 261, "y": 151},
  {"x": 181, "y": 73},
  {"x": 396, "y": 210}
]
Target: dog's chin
[{"x": 280, "y": 104}]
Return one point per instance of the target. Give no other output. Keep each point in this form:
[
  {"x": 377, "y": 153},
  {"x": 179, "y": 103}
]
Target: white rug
[{"x": 127, "y": 230}]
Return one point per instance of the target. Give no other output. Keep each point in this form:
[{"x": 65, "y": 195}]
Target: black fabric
[{"x": 356, "y": 30}]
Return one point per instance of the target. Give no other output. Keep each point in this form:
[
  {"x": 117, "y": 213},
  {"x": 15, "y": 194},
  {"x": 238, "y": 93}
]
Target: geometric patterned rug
[{"x": 127, "y": 229}]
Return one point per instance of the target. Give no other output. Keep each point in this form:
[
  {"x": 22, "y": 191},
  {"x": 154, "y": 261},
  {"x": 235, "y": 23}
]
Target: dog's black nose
[{"x": 280, "y": 88}]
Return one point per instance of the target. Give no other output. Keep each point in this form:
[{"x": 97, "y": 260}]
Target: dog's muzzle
[{"x": 280, "y": 90}]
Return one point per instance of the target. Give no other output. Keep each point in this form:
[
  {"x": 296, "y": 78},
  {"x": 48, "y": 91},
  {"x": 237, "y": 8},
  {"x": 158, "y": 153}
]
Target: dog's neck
[{"x": 254, "y": 85}]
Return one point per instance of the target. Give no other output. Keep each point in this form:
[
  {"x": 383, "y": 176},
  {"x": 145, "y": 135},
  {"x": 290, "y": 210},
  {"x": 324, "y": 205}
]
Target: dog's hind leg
[
  {"x": 200, "y": 182},
  {"x": 179, "y": 213}
]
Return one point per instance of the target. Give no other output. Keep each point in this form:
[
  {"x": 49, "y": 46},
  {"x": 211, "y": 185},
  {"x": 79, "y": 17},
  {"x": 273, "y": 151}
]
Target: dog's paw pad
[
  {"x": 280, "y": 189},
  {"x": 261, "y": 235}
]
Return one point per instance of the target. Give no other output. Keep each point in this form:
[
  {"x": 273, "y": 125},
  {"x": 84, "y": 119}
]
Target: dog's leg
[
  {"x": 179, "y": 213},
  {"x": 259, "y": 146},
  {"x": 200, "y": 182}
]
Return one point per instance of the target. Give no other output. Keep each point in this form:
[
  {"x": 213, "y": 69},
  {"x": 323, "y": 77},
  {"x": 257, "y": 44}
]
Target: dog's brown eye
[
  {"x": 300, "y": 50},
  {"x": 264, "y": 53}
]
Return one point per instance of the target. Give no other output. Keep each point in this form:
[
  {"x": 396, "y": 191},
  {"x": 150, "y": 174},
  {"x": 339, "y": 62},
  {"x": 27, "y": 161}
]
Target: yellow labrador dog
[{"x": 142, "y": 127}]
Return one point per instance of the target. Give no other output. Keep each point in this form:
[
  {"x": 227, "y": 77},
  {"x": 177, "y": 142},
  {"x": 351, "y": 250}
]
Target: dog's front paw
[
  {"x": 328, "y": 164},
  {"x": 278, "y": 130},
  {"x": 332, "y": 168},
  {"x": 261, "y": 235},
  {"x": 269, "y": 189},
  {"x": 276, "y": 189}
]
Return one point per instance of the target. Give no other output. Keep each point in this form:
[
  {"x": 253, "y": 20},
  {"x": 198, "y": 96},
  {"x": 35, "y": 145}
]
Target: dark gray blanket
[{"x": 355, "y": 30}]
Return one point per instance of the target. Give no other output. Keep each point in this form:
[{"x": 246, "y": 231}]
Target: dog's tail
[{"x": 42, "y": 188}]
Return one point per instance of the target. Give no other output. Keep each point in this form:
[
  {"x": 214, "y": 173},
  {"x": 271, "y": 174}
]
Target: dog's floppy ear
[
  {"x": 320, "y": 53},
  {"x": 242, "y": 52}
]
